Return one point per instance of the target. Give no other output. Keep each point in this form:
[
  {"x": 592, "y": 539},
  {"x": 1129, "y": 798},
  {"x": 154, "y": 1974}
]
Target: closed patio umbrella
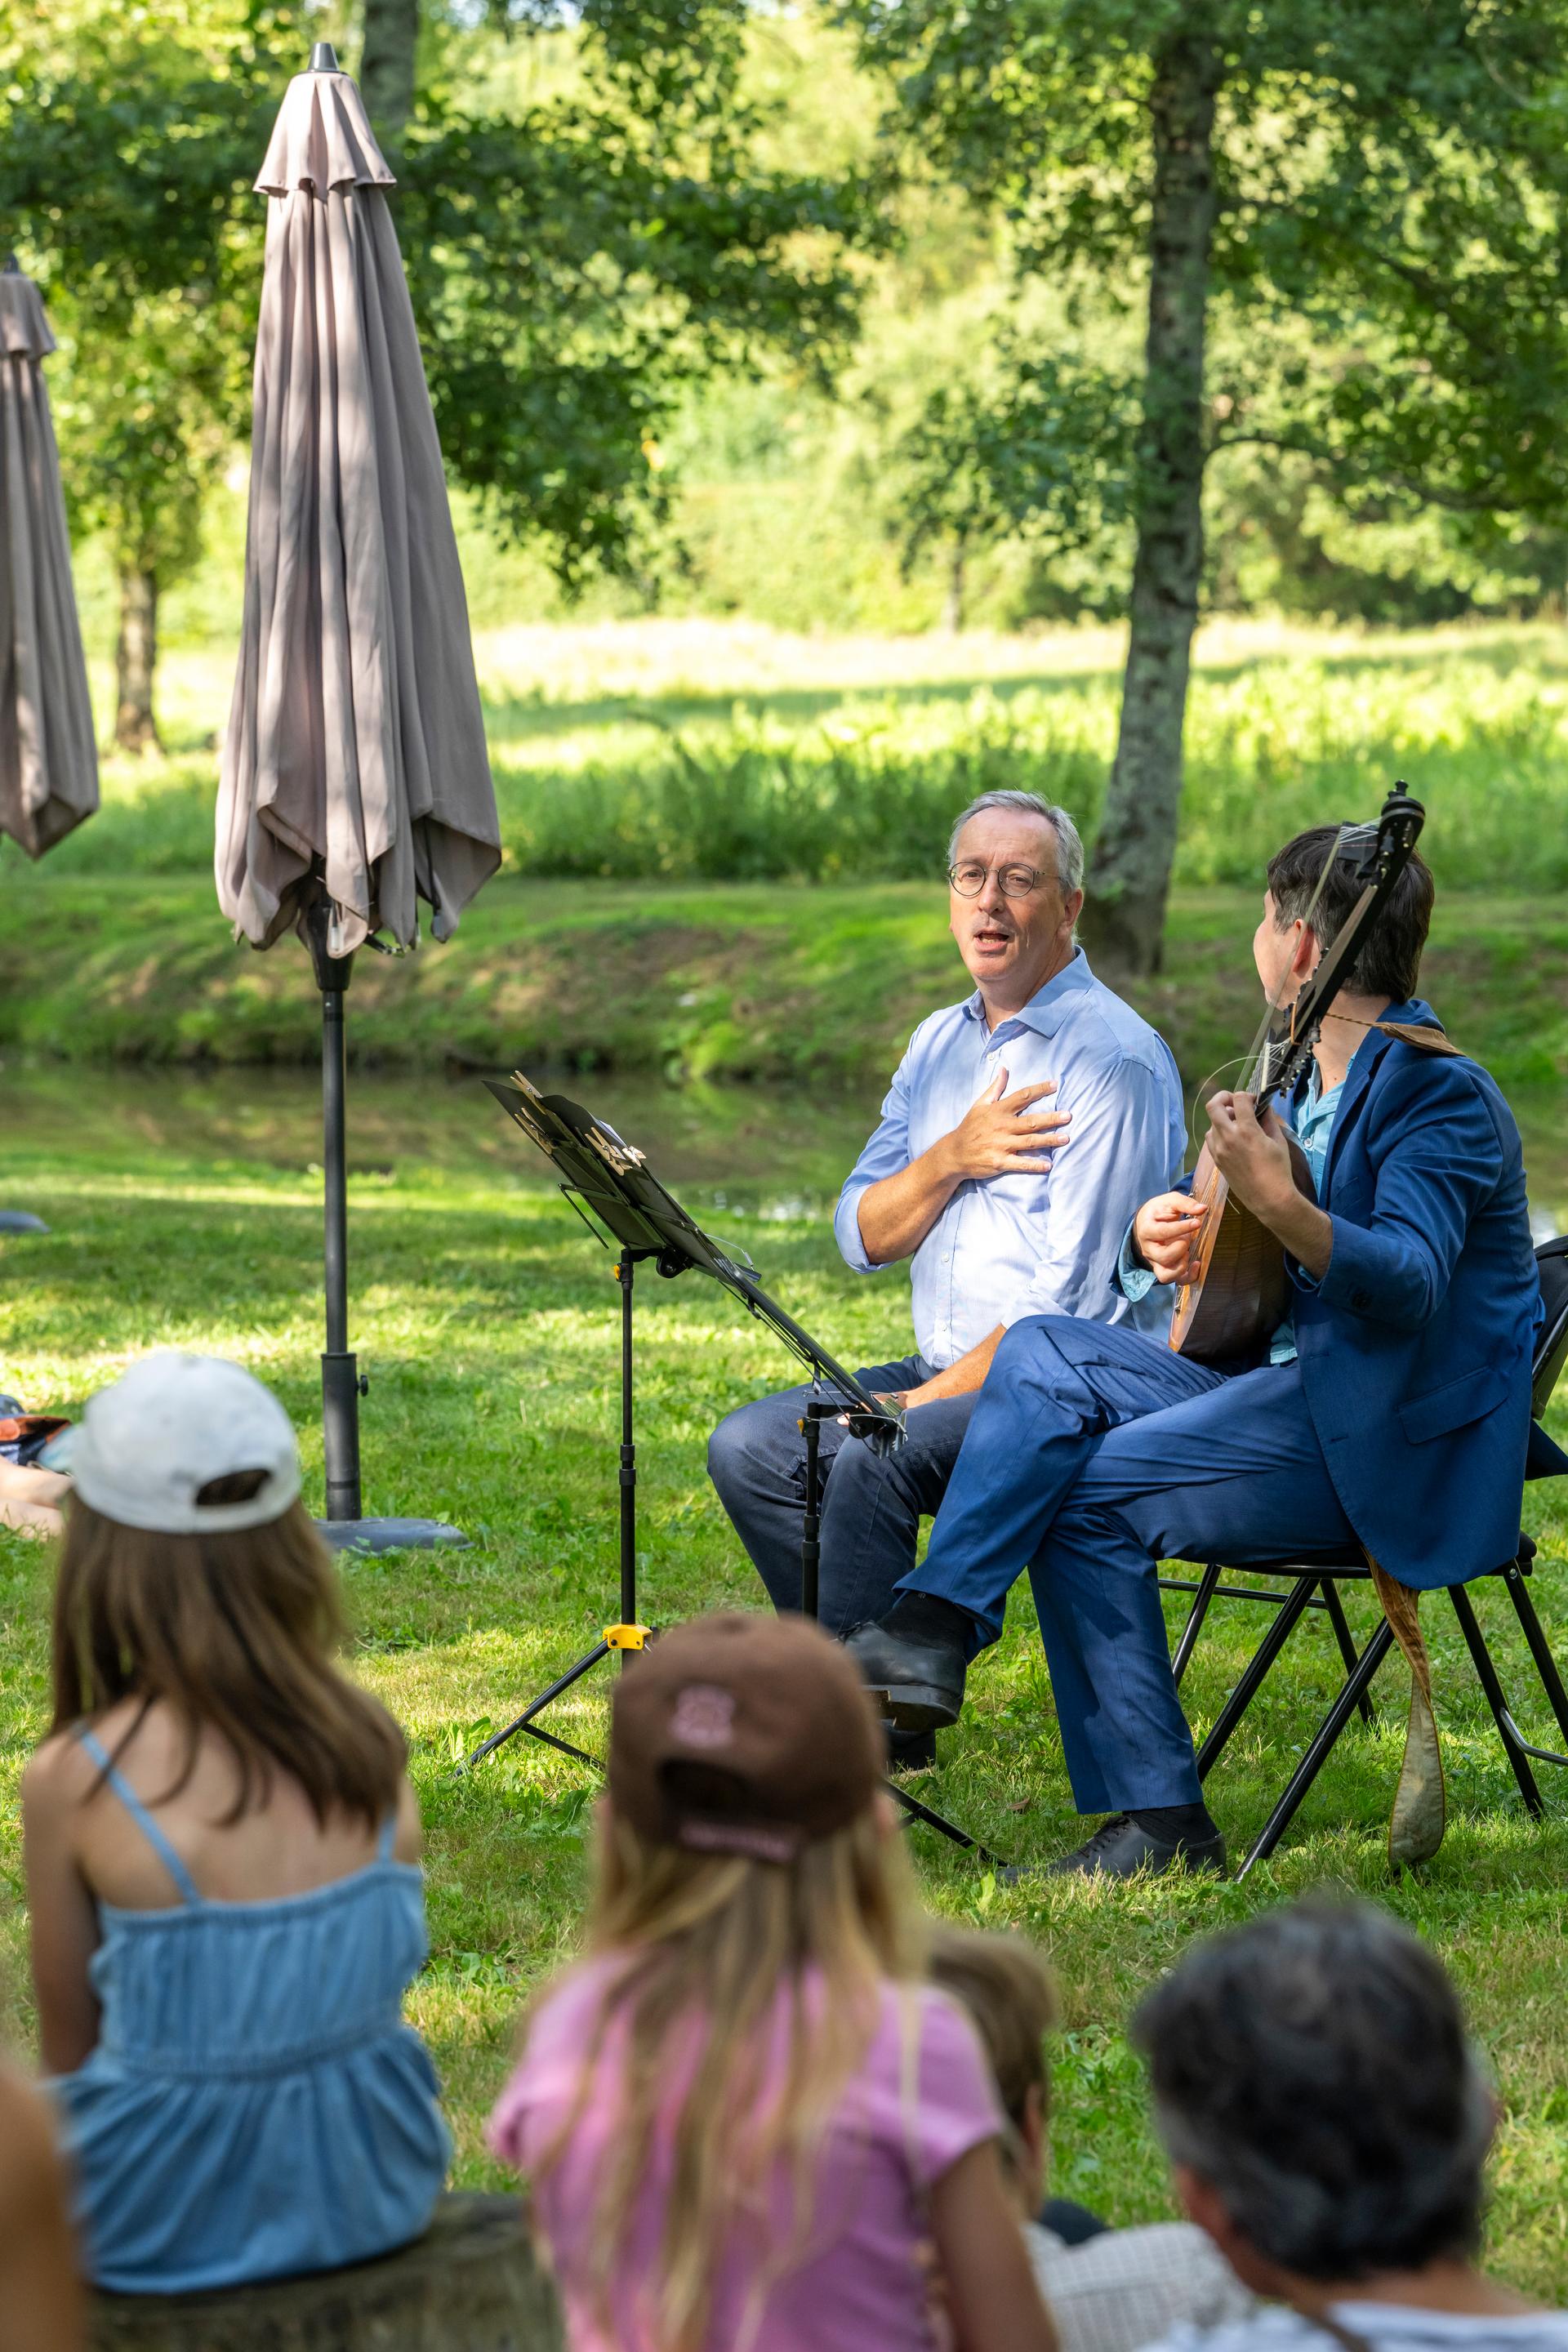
[
  {"x": 48, "y": 765},
  {"x": 48, "y": 762},
  {"x": 356, "y": 780}
]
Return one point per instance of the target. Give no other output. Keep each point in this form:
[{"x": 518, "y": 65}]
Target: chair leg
[
  {"x": 1255, "y": 1674},
  {"x": 1539, "y": 1648},
  {"x": 1195, "y": 1616},
  {"x": 1346, "y": 1640},
  {"x": 1323, "y": 1747},
  {"x": 1486, "y": 1672}
]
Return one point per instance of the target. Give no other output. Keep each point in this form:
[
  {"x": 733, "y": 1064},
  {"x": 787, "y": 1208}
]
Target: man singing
[
  {"x": 1393, "y": 1411},
  {"x": 1021, "y": 1129}
]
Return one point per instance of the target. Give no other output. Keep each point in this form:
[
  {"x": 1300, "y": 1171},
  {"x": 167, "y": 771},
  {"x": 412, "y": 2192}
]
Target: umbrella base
[{"x": 387, "y": 1535}]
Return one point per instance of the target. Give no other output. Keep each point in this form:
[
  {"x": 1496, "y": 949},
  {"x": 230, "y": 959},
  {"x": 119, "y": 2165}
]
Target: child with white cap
[
  {"x": 747, "y": 2123},
  {"x": 222, "y": 1853}
]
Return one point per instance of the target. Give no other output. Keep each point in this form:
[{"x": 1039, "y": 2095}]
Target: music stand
[{"x": 609, "y": 1180}]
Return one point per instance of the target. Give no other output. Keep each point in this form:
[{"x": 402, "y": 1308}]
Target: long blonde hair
[{"x": 708, "y": 1943}]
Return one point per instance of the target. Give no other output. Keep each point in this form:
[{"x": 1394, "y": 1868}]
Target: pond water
[{"x": 756, "y": 1151}]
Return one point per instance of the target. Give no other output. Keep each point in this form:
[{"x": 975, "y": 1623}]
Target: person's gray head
[
  {"x": 1312, "y": 2073},
  {"x": 1016, "y": 880},
  {"x": 1069, "y": 843}
]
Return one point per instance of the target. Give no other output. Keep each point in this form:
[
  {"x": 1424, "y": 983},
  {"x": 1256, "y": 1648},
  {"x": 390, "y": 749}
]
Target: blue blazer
[{"x": 1416, "y": 1346}]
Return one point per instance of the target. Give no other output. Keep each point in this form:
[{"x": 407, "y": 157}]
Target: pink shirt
[{"x": 859, "y": 2281}]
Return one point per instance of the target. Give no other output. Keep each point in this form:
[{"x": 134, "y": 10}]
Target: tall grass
[{"x": 828, "y": 781}]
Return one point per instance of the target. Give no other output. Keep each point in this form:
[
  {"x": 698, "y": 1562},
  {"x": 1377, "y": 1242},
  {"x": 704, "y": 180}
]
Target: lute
[{"x": 1241, "y": 1290}]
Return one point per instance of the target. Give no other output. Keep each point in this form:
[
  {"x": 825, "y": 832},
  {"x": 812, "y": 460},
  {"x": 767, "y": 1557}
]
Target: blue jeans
[
  {"x": 1094, "y": 1453},
  {"x": 872, "y": 1505}
]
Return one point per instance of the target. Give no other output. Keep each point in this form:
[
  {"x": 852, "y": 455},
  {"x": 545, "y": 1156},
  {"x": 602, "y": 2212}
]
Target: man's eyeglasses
[{"x": 1013, "y": 881}]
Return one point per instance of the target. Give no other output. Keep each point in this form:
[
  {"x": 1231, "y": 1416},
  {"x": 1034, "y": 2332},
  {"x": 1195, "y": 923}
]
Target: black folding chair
[{"x": 1314, "y": 1585}]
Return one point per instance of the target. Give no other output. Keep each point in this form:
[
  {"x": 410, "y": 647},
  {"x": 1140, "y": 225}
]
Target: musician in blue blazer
[{"x": 1392, "y": 1410}]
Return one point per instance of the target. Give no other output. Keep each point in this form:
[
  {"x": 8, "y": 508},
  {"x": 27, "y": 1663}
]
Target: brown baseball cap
[{"x": 742, "y": 1735}]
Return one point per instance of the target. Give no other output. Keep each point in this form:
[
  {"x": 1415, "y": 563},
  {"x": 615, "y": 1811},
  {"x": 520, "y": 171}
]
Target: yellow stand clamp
[{"x": 627, "y": 1637}]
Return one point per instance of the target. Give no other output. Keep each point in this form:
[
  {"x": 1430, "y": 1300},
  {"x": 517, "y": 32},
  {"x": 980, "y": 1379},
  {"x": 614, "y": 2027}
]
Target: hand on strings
[
  {"x": 1004, "y": 1135},
  {"x": 1251, "y": 1153},
  {"x": 1166, "y": 1231}
]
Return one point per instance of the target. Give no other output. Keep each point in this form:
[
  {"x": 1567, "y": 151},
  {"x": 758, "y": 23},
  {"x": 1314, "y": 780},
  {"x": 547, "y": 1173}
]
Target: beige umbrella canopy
[
  {"x": 355, "y": 750},
  {"x": 49, "y": 765},
  {"x": 355, "y": 780}
]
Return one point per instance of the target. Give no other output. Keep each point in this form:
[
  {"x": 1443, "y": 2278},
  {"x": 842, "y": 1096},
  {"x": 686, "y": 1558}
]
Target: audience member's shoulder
[
  {"x": 1267, "y": 2328},
  {"x": 56, "y": 1776},
  {"x": 1173, "y": 2254}
]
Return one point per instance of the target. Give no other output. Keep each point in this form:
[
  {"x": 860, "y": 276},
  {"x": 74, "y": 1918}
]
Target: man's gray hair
[
  {"x": 1069, "y": 846},
  {"x": 1313, "y": 2067}
]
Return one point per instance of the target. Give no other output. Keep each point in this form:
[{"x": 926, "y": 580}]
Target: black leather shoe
[
  {"x": 1119, "y": 1849},
  {"x": 919, "y": 1685}
]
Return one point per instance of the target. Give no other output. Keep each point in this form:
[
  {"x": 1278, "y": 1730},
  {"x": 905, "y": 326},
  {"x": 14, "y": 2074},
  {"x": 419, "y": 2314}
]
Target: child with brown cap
[{"x": 748, "y": 2126}]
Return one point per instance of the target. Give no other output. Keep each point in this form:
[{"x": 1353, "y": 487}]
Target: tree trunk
[
  {"x": 135, "y": 658},
  {"x": 1125, "y": 914},
  {"x": 952, "y": 601},
  {"x": 386, "y": 63}
]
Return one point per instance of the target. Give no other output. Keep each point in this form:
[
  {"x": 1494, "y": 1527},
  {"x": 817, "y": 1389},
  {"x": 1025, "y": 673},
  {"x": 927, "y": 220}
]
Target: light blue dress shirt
[
  {"x": 1314, "y": 1126},
  {"x": 1033, "y": 1244}
]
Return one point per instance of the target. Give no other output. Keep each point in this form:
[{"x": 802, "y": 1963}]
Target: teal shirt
[{"x": 1313, "y": 1130}]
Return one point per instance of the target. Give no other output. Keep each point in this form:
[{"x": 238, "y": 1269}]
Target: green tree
[
  {"x": 577, "y": 266},
  {"x": 127, "y": 148},
  {"x": 1383, "y": 179},
  {"x": 1020, "y": 446}
]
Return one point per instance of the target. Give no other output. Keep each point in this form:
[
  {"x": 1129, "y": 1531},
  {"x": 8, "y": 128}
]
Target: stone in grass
[{"x": 470, "y": 2284}]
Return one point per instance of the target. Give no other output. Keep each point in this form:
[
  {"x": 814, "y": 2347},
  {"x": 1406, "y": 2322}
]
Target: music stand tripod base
[{"x": 626, "y": 1636}]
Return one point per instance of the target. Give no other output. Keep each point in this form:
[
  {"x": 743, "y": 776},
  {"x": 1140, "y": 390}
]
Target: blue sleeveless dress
[{"x": 256, "y": 2107}]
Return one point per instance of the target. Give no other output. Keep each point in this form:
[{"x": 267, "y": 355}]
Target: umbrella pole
[{"x": 341, "y": 1385}]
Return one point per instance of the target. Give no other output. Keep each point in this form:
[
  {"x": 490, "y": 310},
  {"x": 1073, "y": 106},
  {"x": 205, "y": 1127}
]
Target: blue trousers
[
  {"x": 1092, "y": 1454},
  {"x": 872, "y": 1505}
]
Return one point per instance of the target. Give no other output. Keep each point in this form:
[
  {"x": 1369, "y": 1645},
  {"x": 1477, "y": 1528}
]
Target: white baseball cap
[{"x": 144, "y": 1448}]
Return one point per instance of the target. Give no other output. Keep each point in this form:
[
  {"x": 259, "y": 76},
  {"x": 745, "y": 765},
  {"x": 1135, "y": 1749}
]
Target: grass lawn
[
  {"x": 186, "y": 1211},
  {"x": 487, "y": 1321}
]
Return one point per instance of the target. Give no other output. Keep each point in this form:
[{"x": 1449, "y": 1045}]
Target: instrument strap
[
  {"x": 1424, "y": 1035},
  {"x": 1418, "y": 1816}
]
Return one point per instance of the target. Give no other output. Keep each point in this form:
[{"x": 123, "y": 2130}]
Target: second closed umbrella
[
  {"x": 356, "y": 780},
  {"x": 49, "y": 765}
]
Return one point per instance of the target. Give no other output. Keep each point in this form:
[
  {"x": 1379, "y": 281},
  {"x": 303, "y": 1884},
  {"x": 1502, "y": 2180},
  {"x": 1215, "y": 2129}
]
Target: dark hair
[
  {"x": 233, "y": 1630},
  {"x": 1390, "y": 958},
  {"x": 1005, "y": 1986},
  {"x": 1313, "y": 2068}
]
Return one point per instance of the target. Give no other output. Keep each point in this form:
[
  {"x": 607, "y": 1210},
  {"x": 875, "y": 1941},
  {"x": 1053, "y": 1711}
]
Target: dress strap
[
  {"x": 388, "y": 1837},
  {"x": 155, "y": 1837}
]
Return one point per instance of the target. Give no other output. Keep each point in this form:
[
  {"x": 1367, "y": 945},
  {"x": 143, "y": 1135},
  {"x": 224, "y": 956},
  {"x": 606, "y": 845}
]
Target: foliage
[
  {"x": 575, "y": 265},
  {"x": 1387, "y": 177},
  {"x": 1024, "y": 447},
  {"x": 123, "y": 154}
]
